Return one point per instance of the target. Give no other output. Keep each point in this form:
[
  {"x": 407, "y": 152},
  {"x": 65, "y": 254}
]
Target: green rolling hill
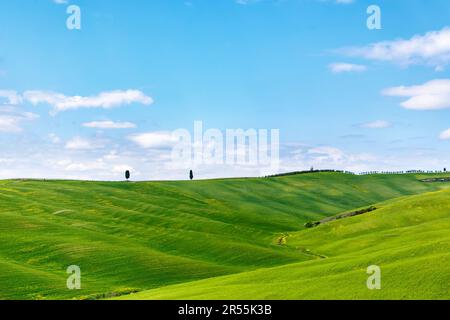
[
  {"x": 184, "y": 240},
  {"x": 408, "y": 238}
]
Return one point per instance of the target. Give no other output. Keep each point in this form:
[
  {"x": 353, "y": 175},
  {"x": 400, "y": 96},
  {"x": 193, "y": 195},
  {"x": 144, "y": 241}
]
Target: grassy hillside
[
  {"x": 140, "y": 236},
  {"x": 408, "y": 239}
]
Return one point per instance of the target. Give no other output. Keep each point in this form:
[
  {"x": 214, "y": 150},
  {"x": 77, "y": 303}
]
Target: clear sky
[{"x": 90, "y": 103}]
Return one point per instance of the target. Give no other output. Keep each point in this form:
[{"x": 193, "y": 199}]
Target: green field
[{"x": 233, "y": 239}]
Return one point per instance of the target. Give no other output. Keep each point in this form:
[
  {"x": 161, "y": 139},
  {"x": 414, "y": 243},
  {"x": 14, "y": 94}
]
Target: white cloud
[
  {"x": 61, "y": 1},
  {"x": 79, "y": 143},
  {"x": 83, "y": 166},
  {"x": 109, "y": 125},
  {"x": 432, "y": 95},
  {"x": 9, "y": 124},
  {"x": 11, "y": 97},
  {"x": 160, "y": 139},
  {"x": 112, "y": 155},
  {"x": 105, "y": 100},
  {"x": 11, "y": 119},
  {"x": 54, "y": 138},
  {"x": 122, "y": 168},
  {"x": 326, "y": 157},
  {"x": 340, "y": 67},
  {"x": 326, "y": 153},
  {"x": 432, "y": 48},
  {"x": 445, "y": 135},
  {"x": 378, "y": 124},
  {"x": 55, "y": 162}
]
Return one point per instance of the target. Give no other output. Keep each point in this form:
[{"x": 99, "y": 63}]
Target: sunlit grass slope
[
  {"x": 408, "y": 239},
  {"x": 140, "y": 236}
]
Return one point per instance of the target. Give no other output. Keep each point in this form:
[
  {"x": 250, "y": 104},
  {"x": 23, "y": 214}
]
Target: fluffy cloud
[
  {"x": 340, "y": 67},
  {"x": 109, "y": 125},
  {"x": 105, "y": 100},
  {"x": 11, "y": 119},
  {"x": 327, "y": 157},
  {"x": 159, "y": 139},
  {"x": 11, "y": 97},
  {"x": 79, "y": 143},
  {"x": 432, "y": 48},
  {"x": 322, "y": 154},
  {"x": 54, "y": 138},
  {"x": 378, "y": 124},
  {"x": 69, "y": 165},
  {"x": 432, "y": 95},
  {"x": 121, "y": 168},
  {"x": 56, "y": 162},
  {"x": 445, "y": 135}
]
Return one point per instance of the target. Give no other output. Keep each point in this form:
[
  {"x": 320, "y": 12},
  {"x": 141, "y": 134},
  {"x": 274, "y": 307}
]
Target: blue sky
[{"x": 342, "y": 96}]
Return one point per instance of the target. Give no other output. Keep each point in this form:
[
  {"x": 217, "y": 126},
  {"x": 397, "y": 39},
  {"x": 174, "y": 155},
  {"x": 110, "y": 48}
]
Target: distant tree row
[
  {"x": 352, "y": 173},
  {"x": 306, "y": 172},
  {"x": 191, "y": 173},
  {"x": 403, "y": 172}
]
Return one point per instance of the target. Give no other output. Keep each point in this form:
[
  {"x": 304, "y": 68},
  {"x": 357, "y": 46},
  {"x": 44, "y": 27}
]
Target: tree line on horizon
[
  {"x": 352, "y": 173},
  {"x": 312, "y": 170}
]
